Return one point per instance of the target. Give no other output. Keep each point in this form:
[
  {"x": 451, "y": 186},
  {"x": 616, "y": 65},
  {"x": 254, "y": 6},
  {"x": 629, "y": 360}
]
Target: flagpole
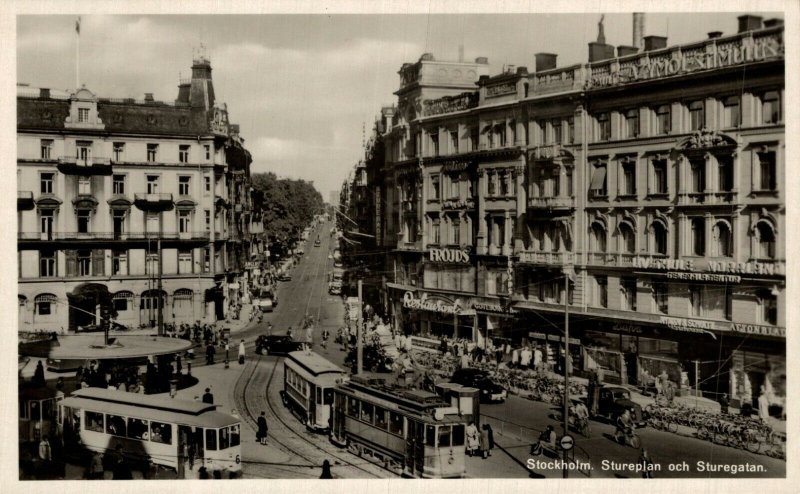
[{"x": 78, "y": 55}]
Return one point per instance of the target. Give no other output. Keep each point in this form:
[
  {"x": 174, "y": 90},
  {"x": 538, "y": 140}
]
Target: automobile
[
  {"x": 616, "y": 399},
  {"x": 317, "y": 243},
  {"x": 490, "y": 391},
  {"x": 284, "y": 277},
  {"x": 279, "y": 345},
  {"x": 335, "y": 288}
]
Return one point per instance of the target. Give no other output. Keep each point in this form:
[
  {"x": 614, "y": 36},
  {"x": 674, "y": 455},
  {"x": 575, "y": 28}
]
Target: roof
[
  {"x": 314, "y": 363},
  {"x": 155, "y": 407}
]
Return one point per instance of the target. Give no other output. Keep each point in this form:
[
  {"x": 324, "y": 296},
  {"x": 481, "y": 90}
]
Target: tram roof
[
  {"x": 158, "y": 407},
  {"x": 314, "y": 363}
]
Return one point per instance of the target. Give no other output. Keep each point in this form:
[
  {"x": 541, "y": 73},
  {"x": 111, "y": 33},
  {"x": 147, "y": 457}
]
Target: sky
[{"x": 302, "y": 86}]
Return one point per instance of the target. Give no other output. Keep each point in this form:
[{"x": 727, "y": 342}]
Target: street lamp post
[{"x": 566, "y": 362}]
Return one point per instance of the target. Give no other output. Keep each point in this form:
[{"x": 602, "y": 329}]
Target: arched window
[
  {"x": 768, "y": 307},
  {"x": 723, "y": 239},
  {"x": 628, "y": 238},
  {"x": 766, "y": 240},
  {"x": 598, "y": 238},
  {"x": 123, "y": 300},
  {"x": 183, "y": 294},
  {"x": 658, "y": 231},
  {"x": 45, "y": 304}
]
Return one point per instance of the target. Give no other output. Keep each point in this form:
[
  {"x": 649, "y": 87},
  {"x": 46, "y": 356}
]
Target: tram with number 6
[
  {"x": 308, "y": 382},
  {"x": 179, "y": 434},
  {"x": 410, "y": 432}
]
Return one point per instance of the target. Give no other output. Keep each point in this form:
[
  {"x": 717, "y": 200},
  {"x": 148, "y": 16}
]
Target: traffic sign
[{"x": 567, "y": 442}]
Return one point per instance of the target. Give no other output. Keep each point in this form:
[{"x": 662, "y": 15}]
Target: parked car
[
  {"x": 317, "y": 243},
  {"x": 278, "y": 345},
  {"x": 614, "y": 400},
  {"x": 490, "y": 391},
  {"x": 284, "y": 277}
]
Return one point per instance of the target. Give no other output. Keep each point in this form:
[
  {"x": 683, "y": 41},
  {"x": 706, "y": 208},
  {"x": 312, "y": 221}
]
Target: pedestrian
[
  {"x": 763, "y": 404},
  {"x": 121, "y": 470},
  {"x": 210, "y": 351},
  {"x": 723, "y": 403},
  {"x": 261, "y": 433},
  {"x": 473, "y": 439},
  {"x": 96, "y": 470},
  {"x": 489, "y": 429},
  {"x": 203, "y": 473},
  {"x": 45, "y": 454},
  {"x": 178, "y": 365},
  {"x": 484, "y": 443},
  {"x": 38, "y": 375},
  {"x": 208, "y": 397},
  {"x": 646, "y": 464},
  {"x": 326, "y": 470},
  {"x": 241, "y": 352}
]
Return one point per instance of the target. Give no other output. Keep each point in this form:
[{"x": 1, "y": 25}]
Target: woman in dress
[{"x": 473, "y": 439}]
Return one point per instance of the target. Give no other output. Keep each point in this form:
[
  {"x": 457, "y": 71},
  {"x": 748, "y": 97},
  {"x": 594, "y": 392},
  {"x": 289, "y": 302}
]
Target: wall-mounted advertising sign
[
  {"x": 759, "y": 330},
  {"x": 431, "y": 304},
  {"x": 460, "y": 256}
]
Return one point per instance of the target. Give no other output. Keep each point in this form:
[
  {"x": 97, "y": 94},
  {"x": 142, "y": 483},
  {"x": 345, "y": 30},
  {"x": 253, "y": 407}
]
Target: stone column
[
  {"x": 519, "y": 182},
  {"x": 481, "y": 209},
  {"x": 506, "y": 247}
]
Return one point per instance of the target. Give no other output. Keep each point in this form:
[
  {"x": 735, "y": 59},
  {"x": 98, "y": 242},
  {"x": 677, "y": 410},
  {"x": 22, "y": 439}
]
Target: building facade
[
  {"x": 106, "y": 185},
  {"x": 644, "y": 189}
]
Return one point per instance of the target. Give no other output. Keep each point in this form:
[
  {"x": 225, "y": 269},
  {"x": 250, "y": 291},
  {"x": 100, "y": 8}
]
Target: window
[
  {"x": 504, "y": 183},
  {"x": 436, "y": 231},
  {"x": 723, "y": 240},
  {"x": 696, "y": 301},
  {"x": 47, "y": 263},
  {"x": 46, "y": 146},
  {"x": 183, "y": 153},
  {"x": 118, "y": 217},
  {"x": 570, "y": 130},
  {"x": 659, "y": 235},
  {"x": 473, "y": 139},
  {"x": 660, "y": 298},
  {"x": 698, "y": 236},
  {"x": 601, "y": 291},
  {"x": 118, "y": 184},
  {"x": 430, "y": 435},
  {"x": 207, "y": 181},
  {"x": 491, "y": 185},
  {"x": 83, "y": 115},
  {"x": 85, "y": 186},
  {"x": 211, "y": 439},
  {"x": 730, "y": 112},
  {"x": 235, "y": 435},
  {"x": 435, "y": 144},
  {"x": 44, "y": 304},
  {"x": 116, "y": 425},
  {"x": 500, "y": 130},
  {"x": 118, "y": 151},
  {"x": 660, "y": 177},
  {"x": 94, "y": 421},
  {"x": 603, "y": 127},
  {"x": 84, "y": 262},
  {"x": 597, "y": 187},
  {"x": 207, "y": 260},
  {"x": 381, "y": 419},
  {"x": 767, "y": 171},
  {"x": 454, "y": 141},
  {"x": 569, "y": 182},
  {"x": 454, "y": 187},
  {"x": 765, "y": 235},
  {"x": 207, "y": 213},
  {"x": 629, "y": 178},
  {"x": 628, "y": 238},
  {"x": 698, "y": 171},
  {"x": 152, "y": 184},
  {"x": 435, "y": 187},
  {"x": 138, "y": 429},
  {"x": 84, "y": 219},
  {"x": 83, "y": 151},
  {"x": 444, "y": 436},
  {"x": 224, "y": 438},
  {"x": 183, "y": 185},
  {"x": 184, "y": 261},
  {"x": 490, "y": 137},
  {"x": 725, "y": 173},
  {"x": 184, "y": 221},
  {"x": 768, "y": 307},
  {"x": 46, "y": 183},
  {"x": 160, "y": 432},
  {"x": 395, "y": 423},
  {"x": 598, "y": 238},
  {"x": 556, "y": 125},
  {"x": 631, "y": 123},
  {"x": 663, "y": 119},
  {"x": 770, "y": 107},
  {"x": 367, "y": 412},
  {"x": 207, "y": 149},
  {"x": 152, "y": 152},
  {"x": 119, "y": 262},
  {"x": 456, "y": 235},
  {"x": 46, "y": 224},
  {"x": 628, "y": 286},
  {"x": 697, "y": 115}
]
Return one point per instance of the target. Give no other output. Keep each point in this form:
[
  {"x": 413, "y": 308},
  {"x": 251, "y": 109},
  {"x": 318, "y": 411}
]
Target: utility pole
[
  {"x": 359, "y": 344},
  {"x": 160, "y": 290},
  {"x": 566, "y": 366}
]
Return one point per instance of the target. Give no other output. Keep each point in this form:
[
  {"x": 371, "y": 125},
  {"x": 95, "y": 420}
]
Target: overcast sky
[{"x": 301, "y": 86}]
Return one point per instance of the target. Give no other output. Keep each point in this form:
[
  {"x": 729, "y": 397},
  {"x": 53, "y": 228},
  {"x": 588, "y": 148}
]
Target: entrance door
[{"x": 313, "y": 392}]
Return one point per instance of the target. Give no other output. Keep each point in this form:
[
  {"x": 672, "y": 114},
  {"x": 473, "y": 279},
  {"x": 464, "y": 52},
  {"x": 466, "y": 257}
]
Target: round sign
[{"x": 567, "y": 442}]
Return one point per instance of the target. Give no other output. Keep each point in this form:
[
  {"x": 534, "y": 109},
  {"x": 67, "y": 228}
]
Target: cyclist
[
  {"x": 625, "y": 423},
  {"x": 325, "y": 336},
  {"x": 581, "y": 414}
]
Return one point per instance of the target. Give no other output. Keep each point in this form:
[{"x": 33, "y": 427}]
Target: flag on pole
[{"x": 78, "y": 25}]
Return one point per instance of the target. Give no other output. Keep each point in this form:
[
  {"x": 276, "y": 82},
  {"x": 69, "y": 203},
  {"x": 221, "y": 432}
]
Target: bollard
[
  {"x": 173, "y": 387},
  {"x": 226, "y": 363},
  {"x": 189, "y": 369}
]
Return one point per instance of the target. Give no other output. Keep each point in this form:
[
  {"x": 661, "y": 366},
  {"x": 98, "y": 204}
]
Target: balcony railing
[
  {"x": 548, "y": 258},
  {"x": 154, "y": 202},
  {"x": 610, "y": 259},
  {"x": 707, "y": 198},
  {"x": 24, "y": 200},
  {"x": 561, "y": 202},
  {"x": 93, "y": 165},
  {"x": 104, "y": 236}
]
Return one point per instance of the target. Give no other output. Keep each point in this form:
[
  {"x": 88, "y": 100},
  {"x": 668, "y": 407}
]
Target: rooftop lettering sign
[
  {"x": 450, "y": 104},
  {"x": 722, "y": 53},
  {"x": 500, "y": 89}
]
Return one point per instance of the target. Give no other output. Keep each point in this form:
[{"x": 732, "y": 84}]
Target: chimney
[
  {"x": 714, "y": 34},
  {"x": 638, "y": 30},
  {"x": 600, "y": 51},
  {"x": 44, "y": 93},
  {"x": 523, "y": 71},
  {"x": 482, "y": 60},
  {"x": 624, "y": 50},
  {"x": 654, "y": 42},
  {"x": 184, "y": 91},
  {"x": 148, "y": 97},
  {"x": 510, "y": 68},
  {"x": 545, "y": 61},
  {"x": 773, "y": 22},
  {"x": 749, "y": 23}
]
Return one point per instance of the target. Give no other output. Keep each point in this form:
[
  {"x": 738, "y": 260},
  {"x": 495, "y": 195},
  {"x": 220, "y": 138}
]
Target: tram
[
  {"x": 179, "y": 434},
  {"x": 37, "y": 412},
  {"x": 410, "y": 432},
  {"x": 308, "y": 381}
]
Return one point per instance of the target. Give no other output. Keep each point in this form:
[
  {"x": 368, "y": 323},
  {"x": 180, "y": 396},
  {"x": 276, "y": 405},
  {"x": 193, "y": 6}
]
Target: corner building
[
  {"x": 653, "y": 178},
  {"x": 101, "y": 182}
]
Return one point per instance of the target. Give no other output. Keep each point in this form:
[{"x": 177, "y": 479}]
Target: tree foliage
[{"x": 287, "y": 206}]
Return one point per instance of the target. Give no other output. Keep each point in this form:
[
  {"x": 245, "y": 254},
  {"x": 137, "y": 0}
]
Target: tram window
[
  {"x": 211, "y": 439},
  {"x": 115, "y": 425},
  {"x": 161, "y": 432},
  {"x": 380, "y": 418},
  {"x": 352, "y": 407},
  {"x": 367, "y": 412},
  {"x": 235, "y": 435},
  {"x": 328, "y": 396},
  {"x": 34, "y": 415},
  {"x": 137, "y": 429},
  {"x": 396, "y": 423},
  {"x": 444, "y": 436},
  {"x": 47, "y": 409},
  {"x": 458, "y": 435},
  {"x": 319, "y": 396},
  {"x": 224, "y": 438},
  {"x": 94, "y": 421},
  {"x": 430, "y": 435}
]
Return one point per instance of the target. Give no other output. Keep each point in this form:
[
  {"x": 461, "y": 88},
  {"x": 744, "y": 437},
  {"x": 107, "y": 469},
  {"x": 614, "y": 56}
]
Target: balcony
[
  {"x": 71, "y": 165},
  {"x": 707, "y": 198},
  {"x": 556, "y": 205},
  {"x": 610, "y": 259},
  {"x": 546, "y": 258},
  {"x": 154, "y": 202},
  {"x": 25, "y": 200},
  {"x": 199, "y": 236}
]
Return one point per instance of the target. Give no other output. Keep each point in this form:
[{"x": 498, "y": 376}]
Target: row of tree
[{"x": 287, "y": 206}]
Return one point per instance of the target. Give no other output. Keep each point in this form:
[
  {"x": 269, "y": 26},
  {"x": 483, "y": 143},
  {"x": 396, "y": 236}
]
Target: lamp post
[{"x": 569, "y": 272}]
